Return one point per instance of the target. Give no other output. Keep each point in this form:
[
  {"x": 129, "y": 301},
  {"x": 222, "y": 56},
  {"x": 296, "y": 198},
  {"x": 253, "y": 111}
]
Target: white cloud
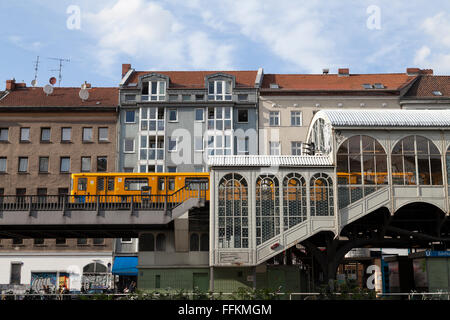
[
  {"x": 25, "y": 44},
  {"x": 436, "y": 54},
  {"x": 291, "y": 31},
  {"x": 148, "y": 32}
]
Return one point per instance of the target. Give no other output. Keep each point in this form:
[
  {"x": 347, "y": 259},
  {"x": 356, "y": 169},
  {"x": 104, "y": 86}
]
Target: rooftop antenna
[
  {"x": 36, "y": 68},
  {"x": 61, "y": 60}
]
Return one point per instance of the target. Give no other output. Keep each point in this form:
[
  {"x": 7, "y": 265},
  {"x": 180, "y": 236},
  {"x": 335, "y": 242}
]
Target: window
[
  {"x": 173, "y": 115},
  {"x": 16, "y": 270},
  {"x": 3, "y": 134},
  {"x": 172, "y": 182},
  {"x": 233, "y": 212},
  {"x": 65, "y": 164},
  {"x": 126, "y": 240},
  {"x": 379, "y": 86},
  {"x": 23, "y": 164},
  {"x": 173, "y": 97},
  {"x": 43, "y": 164},
  {"x": 321, "y": 195},
  {"x": 367, "y": 86},
  {"x": 87, "y": 134},
  {"x": 199, "y": 97},
  {"x": 161, "y": 242},
  {"x": 3, "y": 164},
  {"x": 416, "y": 160},
  {"x": 38, "y": 241},
  {"x": 242, "y": 115},
  {"x": 204, "y": 242},
  {"x": 199, "y": 115},
  {"x": 171, "y": 169},
  {"x": 130, "y": 116},
  {"x": 98, "y": 241},
  {"x": 128, "y": 170},
  {"x": 82, "y": 241},
  {"x": 194, "y": 242},
  {"x": 296, "y": 118},
  {"x": 296, "y": 147},
  {"x": 267, "y": 208},
  {"x": 294, "y": 200},
  {"x": 153, "y": 91},
  {"x": 437, "y": 93},
  {"x": 198, "y": 168},
  {"x": 186, "y": 97},
  {"x": 60, "y": 241},
  {"x": 66, "y": 134},
  {"x": 147, "y": 242},
  {"x": 172, "y": 144},
  {"x": 130, "y": 97},
  {"x": 243, "y": 97},
  {"x": 242, "y": 145},
  {"x": 42, "y": 195},
  {"x": 128, "y": 145},
  {"x": 102, "y": 164},
  {"x": 198, "y": 144},
  {"x": 135, "y": 184},
  {"x": 219, "y": 90},
  {"x": 274, "y": 148},
  {"x": 24, "y": 134},
  {"x": 274, "y": 118},
  {"x": 85, "y": 164},
  {"x": 17, "y": 241},
  {"x": 157, "y": 281},
  {"x": 45, "y": 134},
  {"x": 103, "y": 134},
  {"x": 361, "y": 168}
]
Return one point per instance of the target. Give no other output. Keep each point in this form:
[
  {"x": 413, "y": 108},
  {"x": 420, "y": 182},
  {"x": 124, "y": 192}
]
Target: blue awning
[{"x": 125, "y": 266}]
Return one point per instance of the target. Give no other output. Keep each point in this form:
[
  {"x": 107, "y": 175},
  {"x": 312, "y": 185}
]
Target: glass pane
[
  {"x": 154, "y": 87},
  {"x": 422, "y": 145},
  {"x": 342, "y": 169},
  {"x": 381, "y": 168},
  {"x": 424, "y": 170},
  {"x": 397, "y": 170},
  {"x": 369, "y": 169},
  {"x": 408, "y": 145},
  {"x": 436, "y": 169},
  {"x": 343, "y": 149},
  {"x": 410, "y": 170},
  {"x": 367, "y": 144},
  {"x": 355, "y": 169},
  {"x": 144, "y": 113},
  {"x": 353, "y": 144}
]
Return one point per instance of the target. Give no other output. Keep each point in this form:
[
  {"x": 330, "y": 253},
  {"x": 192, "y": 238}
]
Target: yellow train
[{"x": 154, "y": 185}]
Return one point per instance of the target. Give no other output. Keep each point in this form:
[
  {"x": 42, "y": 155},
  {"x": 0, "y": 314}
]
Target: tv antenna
[
  {"x": 61, "y": 60},
  {"x": 36, "y": 68}
]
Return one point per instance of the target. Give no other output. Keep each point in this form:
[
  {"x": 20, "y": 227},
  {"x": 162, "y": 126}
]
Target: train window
[
  {"x": 110, "y": 184},
  {"x": 82, "y": 184},
  {"x": 171, "y": 184},
  {"x": 161, "y": 184},
  {"x": 100, "y": 184},
  {"x": 135, "y": 184},
  {"x": 194, "y": 183}
]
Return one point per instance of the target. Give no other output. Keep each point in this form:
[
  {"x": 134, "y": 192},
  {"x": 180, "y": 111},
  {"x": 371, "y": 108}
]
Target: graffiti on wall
[
  {"x": 41, "y": 279},
  {"x": 96, "y": 280}
]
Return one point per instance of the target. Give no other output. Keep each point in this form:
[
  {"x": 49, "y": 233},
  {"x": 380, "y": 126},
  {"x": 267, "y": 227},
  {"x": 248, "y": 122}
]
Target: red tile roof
[
  {"x": 196, "y": 79},
  {"x": 425, "y": 85},
  {"x": 61, "y": 97},
  {"x": 334, "y": 82}
]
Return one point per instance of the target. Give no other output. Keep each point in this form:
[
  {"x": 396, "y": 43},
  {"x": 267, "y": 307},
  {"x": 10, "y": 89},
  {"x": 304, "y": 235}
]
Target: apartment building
[
  {"x": 288, "y": 102},
  {"x": 44, "y": 138},
  {"x": 170, "y": 121},
  {"x": 428, "y": 92}
]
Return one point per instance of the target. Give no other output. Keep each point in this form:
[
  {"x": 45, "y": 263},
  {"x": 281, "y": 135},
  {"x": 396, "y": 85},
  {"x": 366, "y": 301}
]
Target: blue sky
[{"x": 282, "y": 36}]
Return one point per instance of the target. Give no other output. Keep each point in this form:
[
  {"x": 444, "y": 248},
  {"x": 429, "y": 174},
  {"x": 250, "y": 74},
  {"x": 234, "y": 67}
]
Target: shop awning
[{"x": 125, "y": 266}]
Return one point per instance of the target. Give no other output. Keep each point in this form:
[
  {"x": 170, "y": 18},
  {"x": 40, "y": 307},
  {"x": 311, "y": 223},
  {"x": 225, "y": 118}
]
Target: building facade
[
  {"x": 288, "y": 102},
  {"x": 170, "y": 121}
]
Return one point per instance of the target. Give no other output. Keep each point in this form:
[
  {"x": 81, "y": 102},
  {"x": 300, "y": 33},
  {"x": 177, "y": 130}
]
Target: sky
[{"x": 281, "y": 36}]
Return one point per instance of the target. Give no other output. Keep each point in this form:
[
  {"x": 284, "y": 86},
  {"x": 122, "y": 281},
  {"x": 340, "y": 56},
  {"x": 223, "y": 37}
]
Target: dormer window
[
  {"x": 219, "y": 90},
  {"x": 153, "y": 91},
  {"x": 367, "y": 86},
  {"x": 379, "y": 86}
]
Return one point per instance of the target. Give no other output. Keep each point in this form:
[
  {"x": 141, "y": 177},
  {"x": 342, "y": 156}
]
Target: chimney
[
  {"x": 428, "y": 72},
  {"x": 325, "y": 71},
  {"x": 125, "y": 68},
  {"x": 11, "y": 84},
  {"x": 344, "y": 72},
  {"x": 412, "y": 71}
]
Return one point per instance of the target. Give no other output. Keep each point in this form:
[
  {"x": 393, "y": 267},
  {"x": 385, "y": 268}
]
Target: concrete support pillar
[
  {"x": 211, "y": 278},
  {"x": 181, "y": 226}
]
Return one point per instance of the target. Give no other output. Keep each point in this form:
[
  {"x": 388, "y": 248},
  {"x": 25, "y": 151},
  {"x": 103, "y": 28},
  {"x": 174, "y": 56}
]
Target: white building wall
[{"x": 71, "y": 263}]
